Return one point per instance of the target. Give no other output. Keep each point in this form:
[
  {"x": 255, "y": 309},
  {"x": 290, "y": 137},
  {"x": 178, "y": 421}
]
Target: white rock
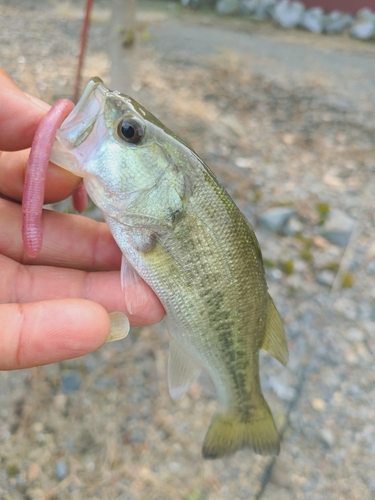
[
  {"x": 249, "y": 6},
  {"x": 336, "y": 22},
  {"x": 293, "y": 226},
  {"x": 355, "y": 335},
  {"x": 364, "y": 26},
  {"x": 346, "y": 307},
  {"x": 275, "y": 274},
  {"x": 275, "y": 218},
  {"x": 227, "y": 6},
  {"x": 264, "y": 8},
  {"x": 313, "y": 20},
  {"x": 244, "y": 162},
  {"x": 288, "y": 14},
  {"x": 325, "y": 277},
  {"x": 327, "y": 437},
  {"x": 364, "y": 30},
  {"x": 191, "y": 3},
  {"x": 338, "y": 227},
  {"x": 366, "y": 15},
  {"x": 283, "y": 391}
]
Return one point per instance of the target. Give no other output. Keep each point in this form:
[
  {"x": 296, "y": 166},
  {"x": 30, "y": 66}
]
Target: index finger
[
  {"x": 20, "y": 115},
  {"x": 70, "y": 240}
]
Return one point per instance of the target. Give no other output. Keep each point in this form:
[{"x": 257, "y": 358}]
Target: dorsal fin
[{"x": 274, "y": 341}]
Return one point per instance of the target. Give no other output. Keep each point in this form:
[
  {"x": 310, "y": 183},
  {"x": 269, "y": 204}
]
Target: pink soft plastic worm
[{"x": 33, "y": 191}]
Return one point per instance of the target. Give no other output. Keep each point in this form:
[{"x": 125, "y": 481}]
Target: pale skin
[{"x": 54, "y": 306}]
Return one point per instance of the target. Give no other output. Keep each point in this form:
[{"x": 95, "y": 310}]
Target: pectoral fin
[
  {"x": 129, "y": 279},
  {"x": 274, "y": 341},
  {"x": 182, "y": 370}
]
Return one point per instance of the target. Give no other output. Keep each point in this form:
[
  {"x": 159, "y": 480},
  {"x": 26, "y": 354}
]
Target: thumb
[{"x": 45, "y": 332}]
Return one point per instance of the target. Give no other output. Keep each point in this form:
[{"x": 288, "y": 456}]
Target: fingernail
[{"x": 119, "y": 326}]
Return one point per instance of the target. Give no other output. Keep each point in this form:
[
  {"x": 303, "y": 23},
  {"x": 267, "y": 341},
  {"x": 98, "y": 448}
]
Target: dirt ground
[{"x": 284, "y": 119}]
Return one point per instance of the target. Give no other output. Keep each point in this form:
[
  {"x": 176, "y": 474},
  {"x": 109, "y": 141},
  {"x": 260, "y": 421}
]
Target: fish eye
[{"x": 130, "y": 130}]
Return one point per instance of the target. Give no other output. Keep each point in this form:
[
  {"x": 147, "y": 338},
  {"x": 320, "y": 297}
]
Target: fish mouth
[{"x": 77, "y": 126}]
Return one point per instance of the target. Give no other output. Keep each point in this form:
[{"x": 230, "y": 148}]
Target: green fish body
[{"x": 182, "y": 233}]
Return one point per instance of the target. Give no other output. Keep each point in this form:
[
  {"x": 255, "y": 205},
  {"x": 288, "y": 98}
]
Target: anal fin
[
  {"x": 182, "y": 370},
  {"x": 274, "y": 341}
]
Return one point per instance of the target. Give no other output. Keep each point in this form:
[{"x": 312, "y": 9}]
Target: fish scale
[{"x": 180, "y": 230}]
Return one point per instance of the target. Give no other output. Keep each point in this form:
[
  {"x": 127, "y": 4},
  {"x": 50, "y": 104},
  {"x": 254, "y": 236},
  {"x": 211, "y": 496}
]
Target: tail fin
[{"x": 229, "y": 432}]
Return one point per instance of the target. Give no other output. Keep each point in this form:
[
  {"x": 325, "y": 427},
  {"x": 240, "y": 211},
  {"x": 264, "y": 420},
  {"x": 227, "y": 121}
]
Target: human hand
[{"x": 54, "y": 307}]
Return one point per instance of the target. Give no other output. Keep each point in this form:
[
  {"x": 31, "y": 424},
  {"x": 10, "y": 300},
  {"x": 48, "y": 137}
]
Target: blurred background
[{"x": 280, "y": 103}]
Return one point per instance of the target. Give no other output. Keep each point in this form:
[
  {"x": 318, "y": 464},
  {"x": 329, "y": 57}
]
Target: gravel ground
[{"x": 286, "y": 120}]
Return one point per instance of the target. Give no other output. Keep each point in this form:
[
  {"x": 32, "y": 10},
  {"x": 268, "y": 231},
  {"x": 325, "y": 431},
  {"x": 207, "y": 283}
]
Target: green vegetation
[
  {"x": 323, "y": 210},
  {"x": 347, "y": 280},
  {"x": 12, "y": 470},
  {"x": 268, "y": 262},
  {"x": 257, "y": 196},
  {"x": 195, "y": 495},
  {"x": 287, "y": 267},
  {"x": 306, "y": 255},
  {"x": 331, "y": 266}
]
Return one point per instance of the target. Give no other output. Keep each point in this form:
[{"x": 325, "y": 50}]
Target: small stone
[
  {"x": 90, "y": 466},
  {"x": 338, "y": 227},
  {"x": 289, "y": 139},
  {"x": 264, "y": 8},
  {"x": 327, "y": 437},
  {"x": 225, "y": 7},
  {"x": 274, "y": 274},
  {"x": 346, "y": 307},
  {"x": 38, "y": 427},
  {"x": 60, "y": 401},
  {"x": 106, "y": 382},
  {"x": 283, "y": 391},
  {"x": 318, "y": 404},
  {"x": 249, "y": 6},
  {"x": 364, "y": 30},
  {"x": 325, "y": 278},
  {"x": 244, "y": 162},
  {"x": 351, "y": 357},
  {"x": 364, "y": 26},
  {"x": 280, "y": 475},
  {"x": 336, "y": 22},
  {"x": 70, "y": 382},
  {"x": 174, "y": 466},
  {"x": 33, "y": 471},
  {"x": 313, "y": 20},
  {"x": 232, "y": 124},
  {"x": 293, "y": 226},
  {"x": 355, "y": 335},
  {"x": 190, "y": 3},
  {"x": 137, "y": 436},
  {"x": 288, "y": 14},
  {"x": 61, "y": 470},
  {"x": 274, "y": 219},
  {"x": 366, "y": 14}
]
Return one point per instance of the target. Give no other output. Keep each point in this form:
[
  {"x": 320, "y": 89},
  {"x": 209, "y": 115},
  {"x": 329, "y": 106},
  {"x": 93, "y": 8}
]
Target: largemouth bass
[{"x": 183, "y": 234}]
